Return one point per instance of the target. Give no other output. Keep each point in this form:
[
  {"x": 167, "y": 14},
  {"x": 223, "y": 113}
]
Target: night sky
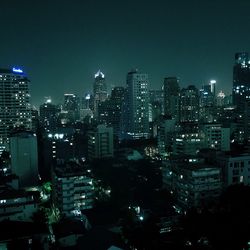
[{"x": 62, "y": 43}]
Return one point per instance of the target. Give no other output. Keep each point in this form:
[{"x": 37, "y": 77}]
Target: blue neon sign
[{"x": 17, "y": 70}]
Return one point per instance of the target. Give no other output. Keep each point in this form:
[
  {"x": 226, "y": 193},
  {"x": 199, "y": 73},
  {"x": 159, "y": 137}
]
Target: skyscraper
[
  {"x": 171, "y": 96},
  {"x": 135, "y": 109},
  {"x": 241, "y": 80},
  {"x": 48, "y": 115},
  {"x": 109, "y": 111},
  {"x": 189, "y": 104},
  {"x": 100, "y": 90},
  {"x": 24, "y": 157},
  {"x": 15, "y": 109},
  {"x": 100, "y": 143}
]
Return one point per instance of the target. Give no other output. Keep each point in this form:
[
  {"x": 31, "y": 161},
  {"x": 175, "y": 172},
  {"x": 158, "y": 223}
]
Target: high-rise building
[
  {"x": 136, "y": 106},
  {"x": 235, "y": 168},
  {"x": 100, "y": 90},
  {"x": 192, "y": 182},
  {"x": 48, "y": 115},
  {"x": 165, "y": 135},
  {"x": 24, "y": 157},
  {"x": 15, "y": 109},
  {"x": 217, "y": 136},
  {"x": 220, "y": 99},
  {"x": 189, "y": 104},
  {"x": 109, "y": 111},
  {"x": 71, "y": 107},
  {"x": 171, "y": 96},
  {"x": 241, "y": 80},
  {"x": 100, "y": 143}
]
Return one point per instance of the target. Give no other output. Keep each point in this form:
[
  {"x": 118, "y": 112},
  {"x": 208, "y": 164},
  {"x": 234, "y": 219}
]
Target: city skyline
[{"x": 61, "y": 46}]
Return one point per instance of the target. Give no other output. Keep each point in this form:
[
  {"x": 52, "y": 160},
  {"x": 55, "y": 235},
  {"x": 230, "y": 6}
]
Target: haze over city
[{"x": 62, "y": 44}]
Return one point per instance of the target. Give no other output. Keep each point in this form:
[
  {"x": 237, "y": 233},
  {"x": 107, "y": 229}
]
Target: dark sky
[{"x": 62, "y": 43}]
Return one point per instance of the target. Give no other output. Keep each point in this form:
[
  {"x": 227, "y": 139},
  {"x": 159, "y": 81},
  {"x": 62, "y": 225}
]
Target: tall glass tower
[{"x": 15, "y": 109}]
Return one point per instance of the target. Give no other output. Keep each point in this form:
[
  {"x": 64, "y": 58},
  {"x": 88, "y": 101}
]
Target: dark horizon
[{"x": 61, "y": 45}]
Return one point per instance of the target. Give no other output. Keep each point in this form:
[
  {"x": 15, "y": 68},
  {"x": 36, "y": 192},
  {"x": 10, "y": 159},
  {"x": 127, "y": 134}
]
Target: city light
[{"x": 17, "y": 70}]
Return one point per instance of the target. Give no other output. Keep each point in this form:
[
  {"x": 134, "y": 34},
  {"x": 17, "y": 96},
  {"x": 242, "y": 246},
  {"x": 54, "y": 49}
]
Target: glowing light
[
  {"x": 99, "y": 73},
  {"x": 213, "y": 81},
  {"x": 87, "y": 97},
  {"x": 17, "y": 70}
]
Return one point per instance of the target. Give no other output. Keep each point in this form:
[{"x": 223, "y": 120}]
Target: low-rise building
[
  {"x": 192, "y": 182},
  {"x": 73, "y": 188},
  {"x": 16, "y": 205}
]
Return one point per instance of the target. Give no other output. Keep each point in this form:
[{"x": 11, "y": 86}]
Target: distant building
[
  {"x": 135, "y": 118},
  {"x": 241, "y": 81},
  {"x": 17, "y": 205},
  {"x": 171, "y": 90},
  {"x": 73, "y": 188},
  {"x": 71, "y": 108},
  {"x": 220, "y": 99},
  {"x": 156, "y": 101},
  {"x": 188, "y": 143},
  {"x": 48, "y": 115},
  {"x": 100, "y": 143},
  {"x": 15, "y": 109},
  {"x": 165, "y": 135},
  {"x": 192, "y": 182},
  {"x": 109, "y": 111},
  {"x": 247, "y": 121},
  {"x": 217, "y": 136},
  {"x": 235, "y": 168},
  {"x": 24, "y": 157},
  {"x": 189, "y": 104},
  {"x": 99, "y": 90}
]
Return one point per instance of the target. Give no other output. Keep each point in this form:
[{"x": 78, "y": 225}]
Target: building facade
[
  {"x": 235, "y": 168},
  {"x": 136, "y": 107},
  {"x": 100, "y": 143},
  {"x": 189, "y": 104},
  {"x": 217, "y": 136},
  {"x": 24, "y": 158},
  {"x": 171, "y": 90},
  {"x": 99, "y": 90},
  {"x": 73, "y": 188},
  {"x": 241, "y": 80},
  {"x": 192, "y": 182},
  {"x": 15, "y": 109}
]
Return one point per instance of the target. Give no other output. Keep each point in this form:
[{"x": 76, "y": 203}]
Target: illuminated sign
[{"x": 17, "y": 70}]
